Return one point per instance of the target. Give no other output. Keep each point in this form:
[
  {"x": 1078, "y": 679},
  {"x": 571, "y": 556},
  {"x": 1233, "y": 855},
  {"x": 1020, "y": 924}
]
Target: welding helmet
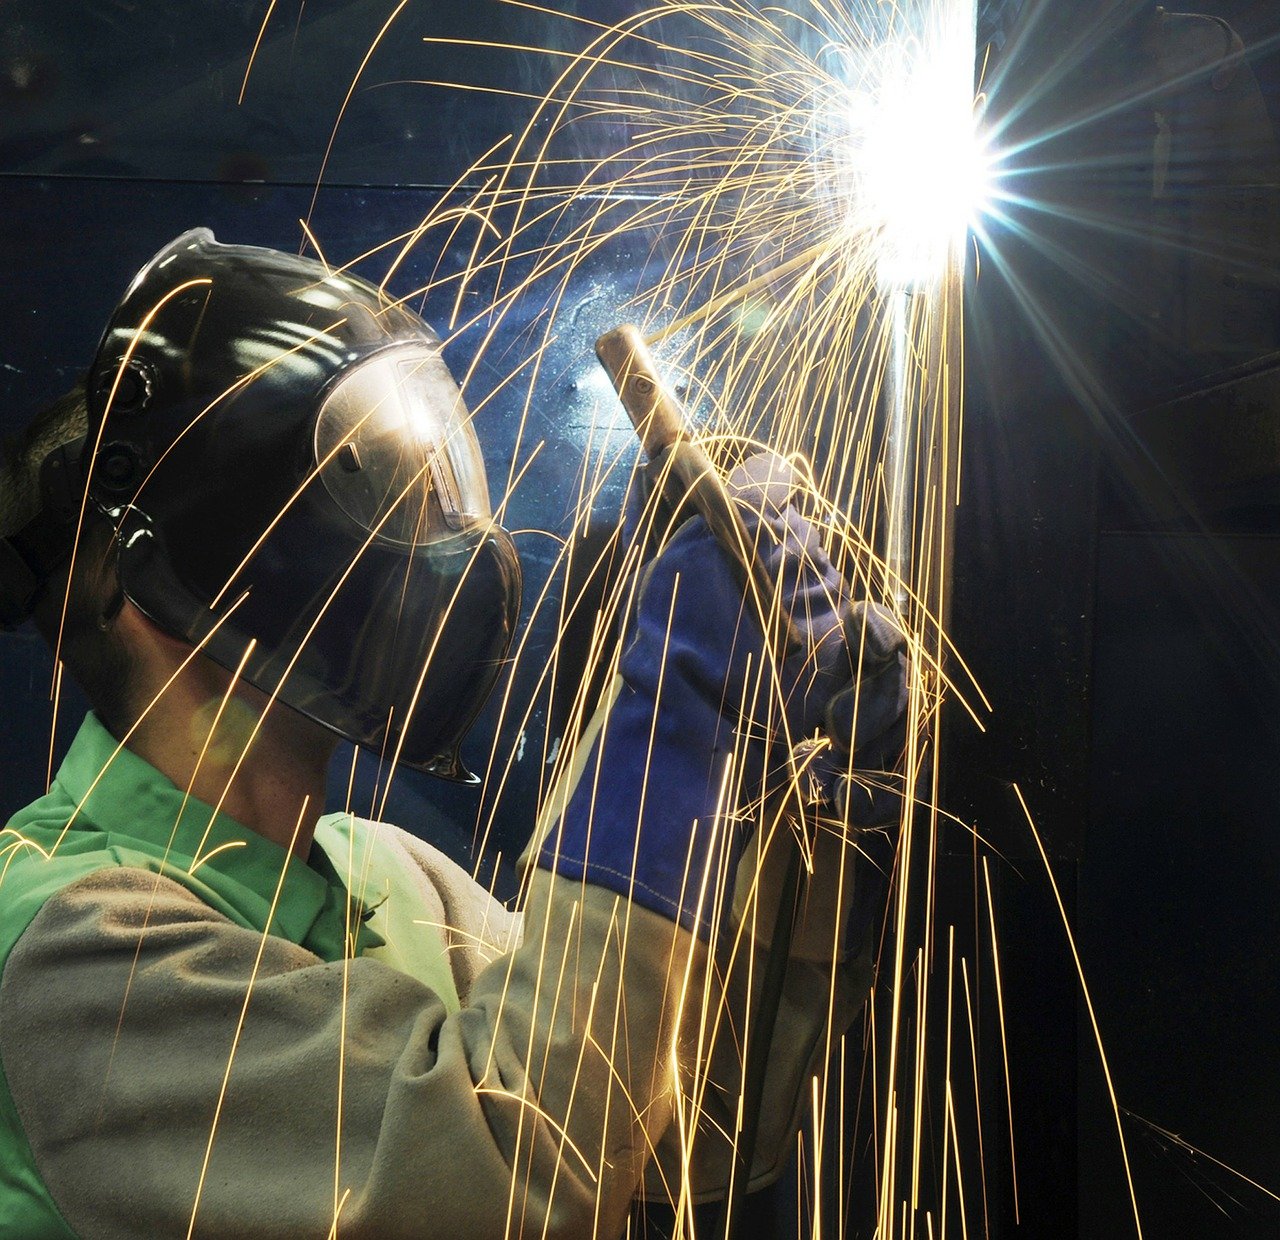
[{"x": 296, "y": 484}]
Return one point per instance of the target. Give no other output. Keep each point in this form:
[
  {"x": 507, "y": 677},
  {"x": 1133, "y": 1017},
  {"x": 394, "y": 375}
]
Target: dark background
[{"x": 1116, "y": 570}]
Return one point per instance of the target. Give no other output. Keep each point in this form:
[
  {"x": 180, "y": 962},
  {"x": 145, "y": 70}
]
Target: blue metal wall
[{"x": 122, "y": 128}]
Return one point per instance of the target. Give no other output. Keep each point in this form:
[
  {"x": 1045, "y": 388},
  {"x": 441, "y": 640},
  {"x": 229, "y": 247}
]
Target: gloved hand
[
  {"x": 854, "y": 767},
  {"x": 848, "y": 777},
  {"x": 702, "y": 710},
  {"x": 713, "y": 611}
]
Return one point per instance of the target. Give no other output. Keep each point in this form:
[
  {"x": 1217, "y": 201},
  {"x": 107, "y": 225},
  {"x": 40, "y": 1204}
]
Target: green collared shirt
[{"x": 110, "y": 807}]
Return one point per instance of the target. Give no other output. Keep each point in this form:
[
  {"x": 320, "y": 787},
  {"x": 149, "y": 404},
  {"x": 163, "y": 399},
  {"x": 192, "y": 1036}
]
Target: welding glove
[
  {"x": 844, "y": 781},
  {"x": 854, "y": 765},
  {"x": 701, "y": 712}
]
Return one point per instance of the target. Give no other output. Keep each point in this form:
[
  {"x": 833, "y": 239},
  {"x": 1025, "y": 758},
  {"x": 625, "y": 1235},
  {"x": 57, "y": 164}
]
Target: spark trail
[{"x": 803, "y": 180}]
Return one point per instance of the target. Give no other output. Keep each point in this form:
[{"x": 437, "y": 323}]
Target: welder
[{"x": 262, "y": 524}]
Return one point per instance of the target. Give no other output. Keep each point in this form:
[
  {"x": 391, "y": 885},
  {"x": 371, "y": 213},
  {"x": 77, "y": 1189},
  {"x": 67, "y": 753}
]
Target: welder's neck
[
  {"x": 262, "y": 764},
  {"x": 267, "y": 772}
]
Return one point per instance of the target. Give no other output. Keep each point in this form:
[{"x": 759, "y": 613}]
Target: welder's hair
[
  {"x": 93, "y": 654},
  {"x": 61, "y": 422}
]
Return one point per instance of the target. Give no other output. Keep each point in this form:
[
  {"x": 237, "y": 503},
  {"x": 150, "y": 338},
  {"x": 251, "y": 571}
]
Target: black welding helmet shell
[{"x": 297, "y": 487}]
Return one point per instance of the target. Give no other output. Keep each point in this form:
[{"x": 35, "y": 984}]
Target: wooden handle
[
  {"x": 660, "y": 423},
  {"x": 654, "y": 412}
]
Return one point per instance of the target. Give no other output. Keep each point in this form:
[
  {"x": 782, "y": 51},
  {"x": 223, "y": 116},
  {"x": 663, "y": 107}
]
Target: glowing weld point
[{"x": 916, "y": 171}]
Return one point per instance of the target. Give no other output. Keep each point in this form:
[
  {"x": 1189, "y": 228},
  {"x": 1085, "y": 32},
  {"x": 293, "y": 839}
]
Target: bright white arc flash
[{"x": 916, "y": 171}]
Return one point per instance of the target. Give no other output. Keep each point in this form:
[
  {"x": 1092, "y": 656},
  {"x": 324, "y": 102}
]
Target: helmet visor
[{"x": 396, "y": 451}]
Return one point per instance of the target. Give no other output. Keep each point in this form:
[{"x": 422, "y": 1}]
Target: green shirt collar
[{"x": 114, "y": 791}]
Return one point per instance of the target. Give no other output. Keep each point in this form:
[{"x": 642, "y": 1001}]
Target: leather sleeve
[
  {"x": 823, "y": 989},
  {"x": 168, "y": 1064},
  {"x": 476, "y": 927}
]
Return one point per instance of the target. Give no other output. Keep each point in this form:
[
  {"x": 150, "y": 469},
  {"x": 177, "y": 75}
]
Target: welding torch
[{"x": 661, "y": 425}]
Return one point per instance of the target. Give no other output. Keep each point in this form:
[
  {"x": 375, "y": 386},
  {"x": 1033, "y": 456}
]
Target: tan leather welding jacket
[{"x": 195, "y": 1026}]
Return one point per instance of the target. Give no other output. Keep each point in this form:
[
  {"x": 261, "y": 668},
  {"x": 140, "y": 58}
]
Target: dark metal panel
[
  {"x": 1022, "y": 615},
  {"x": 144, "y": 88},
  {"x": 369, "y": 91},
  {"x": 1093, "y": 303},
  {"x": 1179, "y": 915}
]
